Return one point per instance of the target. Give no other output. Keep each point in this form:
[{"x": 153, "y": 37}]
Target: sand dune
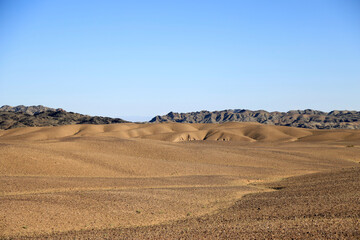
[
  {"x": 177, "y": 132},
  {"x": 103, "y": 176}
]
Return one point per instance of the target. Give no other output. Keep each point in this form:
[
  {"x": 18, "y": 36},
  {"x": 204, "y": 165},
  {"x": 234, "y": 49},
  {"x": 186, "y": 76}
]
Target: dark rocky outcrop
[
  {"x": 30, "y": 110},
  {"x": 297, "y": 118},
  {"x": 40, "y": 116}
]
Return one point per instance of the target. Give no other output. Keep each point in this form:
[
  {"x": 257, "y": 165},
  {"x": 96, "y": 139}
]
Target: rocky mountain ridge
[
  {"x": 308, "y": 118},
  {"x": 40, "y": 116},
  {"x": 31, "y": 110}
]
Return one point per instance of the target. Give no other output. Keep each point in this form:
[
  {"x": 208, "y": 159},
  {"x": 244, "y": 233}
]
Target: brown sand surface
[
  {"x": 83, "y": 177},
  {"x": 315, "y": 206}
]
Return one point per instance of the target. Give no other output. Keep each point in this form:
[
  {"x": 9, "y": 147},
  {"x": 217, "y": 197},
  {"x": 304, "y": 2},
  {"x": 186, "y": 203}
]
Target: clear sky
[{"x": 137, "y": 59}]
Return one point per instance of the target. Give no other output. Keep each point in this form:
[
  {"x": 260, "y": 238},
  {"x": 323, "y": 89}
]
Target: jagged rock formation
[
  {"x": 40, "y": 116},
  {"x": 31, "y": 110},
  {"x": 297, "y": 118}
]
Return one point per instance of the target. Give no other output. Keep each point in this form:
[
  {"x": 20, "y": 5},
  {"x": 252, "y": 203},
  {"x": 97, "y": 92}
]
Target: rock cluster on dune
[
  {"x": 297, "y": 118},
  {"x": 40, "y": 116}
]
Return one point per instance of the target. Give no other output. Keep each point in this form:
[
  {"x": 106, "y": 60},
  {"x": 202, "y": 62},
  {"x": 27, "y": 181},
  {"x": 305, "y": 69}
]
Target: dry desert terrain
[{"x": 179, "y": 180}]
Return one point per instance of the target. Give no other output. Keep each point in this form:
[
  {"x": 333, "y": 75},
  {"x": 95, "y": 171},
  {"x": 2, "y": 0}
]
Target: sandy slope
[{"x": 102, "y": 176}]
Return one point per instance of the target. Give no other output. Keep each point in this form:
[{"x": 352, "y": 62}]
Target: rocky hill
[
  {"x": 298, "y": 118},
  {"x": 31, "y": 110},
  {"x": 40, "y": 116}
]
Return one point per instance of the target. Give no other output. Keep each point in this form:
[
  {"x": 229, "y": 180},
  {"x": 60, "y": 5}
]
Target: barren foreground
[
  {"x": 108, "y": 180},
  {"x": 315, "y": 206}
]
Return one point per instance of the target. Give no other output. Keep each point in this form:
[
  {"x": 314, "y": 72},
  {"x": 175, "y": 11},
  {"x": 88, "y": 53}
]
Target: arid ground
[{"x": 172, "y": 180}]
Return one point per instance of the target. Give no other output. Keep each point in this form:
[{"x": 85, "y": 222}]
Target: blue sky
[{"x": 137, "y": 59}]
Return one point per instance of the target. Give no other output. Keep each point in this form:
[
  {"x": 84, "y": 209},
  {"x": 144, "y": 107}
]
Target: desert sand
[{"x": 129, "y": 180}]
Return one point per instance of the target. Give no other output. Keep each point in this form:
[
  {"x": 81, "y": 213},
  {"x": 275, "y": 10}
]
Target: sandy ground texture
[
  {"x": 123, "y": 180},
  {"x": 315, "y": 206}
]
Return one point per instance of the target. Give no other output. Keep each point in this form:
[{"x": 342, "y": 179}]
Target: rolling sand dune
[
  {"x": 83, "y": 177},
  {"x": 177, "y": 132}
]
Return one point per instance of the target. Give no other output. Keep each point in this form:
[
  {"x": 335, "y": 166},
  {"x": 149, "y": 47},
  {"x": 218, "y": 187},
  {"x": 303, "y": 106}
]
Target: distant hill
[
  {"x": 40, "y": 116},
  {"x": 31, "y": 110},
  {"x": 298, "y": 118}
]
